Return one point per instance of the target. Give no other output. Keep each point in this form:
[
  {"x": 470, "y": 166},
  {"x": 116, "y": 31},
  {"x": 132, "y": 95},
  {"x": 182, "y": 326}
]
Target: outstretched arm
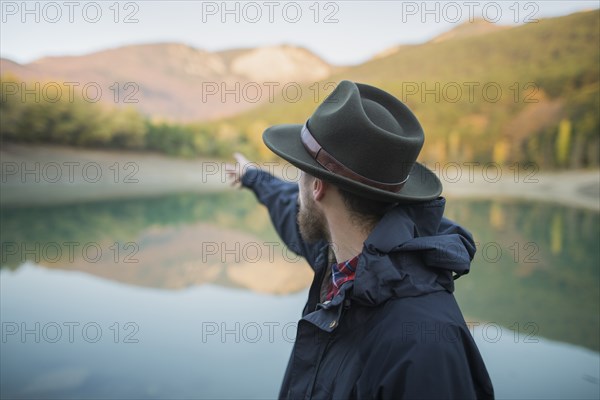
[{"x": 281, "y": 200}]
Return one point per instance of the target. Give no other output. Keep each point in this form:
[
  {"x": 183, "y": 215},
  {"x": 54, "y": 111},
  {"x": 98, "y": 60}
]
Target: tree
[{"x": 563, "y": 142}]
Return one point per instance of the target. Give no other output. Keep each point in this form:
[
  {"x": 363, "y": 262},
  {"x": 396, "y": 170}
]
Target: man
[{"x": 381, "y": 320}]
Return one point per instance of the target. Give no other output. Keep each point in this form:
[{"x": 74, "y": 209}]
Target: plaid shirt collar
[{"x": 341, "y": 273}]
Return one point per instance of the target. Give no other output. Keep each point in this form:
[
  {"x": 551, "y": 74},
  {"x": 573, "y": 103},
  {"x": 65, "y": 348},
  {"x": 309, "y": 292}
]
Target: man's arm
[{"x": 281, "y": 200}]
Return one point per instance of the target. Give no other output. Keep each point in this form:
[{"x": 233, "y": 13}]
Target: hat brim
[{"x": 284, "y": 140}]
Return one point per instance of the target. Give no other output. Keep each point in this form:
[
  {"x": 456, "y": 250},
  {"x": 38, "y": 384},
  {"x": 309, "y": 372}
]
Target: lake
[{"x": 193, "y": 296}]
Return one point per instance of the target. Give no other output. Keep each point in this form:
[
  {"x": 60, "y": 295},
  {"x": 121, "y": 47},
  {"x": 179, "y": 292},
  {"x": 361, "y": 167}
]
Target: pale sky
[{"x": 341, "y": 32}]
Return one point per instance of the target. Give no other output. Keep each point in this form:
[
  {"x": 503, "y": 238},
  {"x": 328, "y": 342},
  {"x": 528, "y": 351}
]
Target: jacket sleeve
[{"x": 281, "y": 200}]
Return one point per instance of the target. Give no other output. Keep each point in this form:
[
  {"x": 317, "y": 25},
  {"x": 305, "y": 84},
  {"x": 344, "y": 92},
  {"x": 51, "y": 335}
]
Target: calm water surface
[{"x": 190, "y": 296}]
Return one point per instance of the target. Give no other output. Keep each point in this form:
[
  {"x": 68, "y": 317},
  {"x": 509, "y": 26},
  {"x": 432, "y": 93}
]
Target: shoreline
[{"x": 52, "y": 175}]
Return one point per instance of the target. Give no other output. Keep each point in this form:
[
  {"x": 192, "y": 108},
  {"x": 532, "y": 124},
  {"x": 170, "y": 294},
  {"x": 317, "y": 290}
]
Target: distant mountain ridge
[
  {"x": 477, "y": 27},
  {"x": 179, "y": 82}
]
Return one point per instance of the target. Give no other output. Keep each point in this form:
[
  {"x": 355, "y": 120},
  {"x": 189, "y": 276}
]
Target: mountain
[
  {"x": 526, "y": 94},
  {"x": 170, "y": 78},
  {"x": 179, "y": 82}
]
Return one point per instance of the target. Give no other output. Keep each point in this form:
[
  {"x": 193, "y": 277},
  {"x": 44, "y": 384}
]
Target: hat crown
[{"x": 369, "y": 131}]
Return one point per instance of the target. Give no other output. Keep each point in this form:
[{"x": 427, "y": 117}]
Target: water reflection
[
  {"x": 170, "y": 243},
  {"x": 537, "y": 267},
  {"x": 536, "y": 270}
]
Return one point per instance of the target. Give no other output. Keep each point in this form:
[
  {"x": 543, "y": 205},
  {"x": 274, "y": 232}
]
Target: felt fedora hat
[{"x": 361, "y": 139}]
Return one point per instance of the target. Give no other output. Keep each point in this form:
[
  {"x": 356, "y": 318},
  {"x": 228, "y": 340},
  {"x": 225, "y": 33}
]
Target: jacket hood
[{"x": 412, "y": 251}]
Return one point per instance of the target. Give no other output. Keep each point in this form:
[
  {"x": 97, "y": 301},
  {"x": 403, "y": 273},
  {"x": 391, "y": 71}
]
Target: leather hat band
[{"x": 328, "y": 162}]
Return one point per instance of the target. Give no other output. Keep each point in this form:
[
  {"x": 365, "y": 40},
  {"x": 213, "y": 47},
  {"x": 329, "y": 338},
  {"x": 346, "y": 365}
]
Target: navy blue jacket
[{"x": 396, "y": 331}]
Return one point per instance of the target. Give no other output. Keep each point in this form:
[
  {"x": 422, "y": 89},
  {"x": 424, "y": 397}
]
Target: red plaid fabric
[{"x": 341, "y": 273}]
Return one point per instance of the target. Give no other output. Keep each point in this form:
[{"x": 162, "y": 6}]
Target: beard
[{"x": 311, "y": 222}]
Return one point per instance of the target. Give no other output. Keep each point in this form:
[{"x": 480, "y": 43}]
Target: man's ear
[{"x": 319, "y": 188}]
